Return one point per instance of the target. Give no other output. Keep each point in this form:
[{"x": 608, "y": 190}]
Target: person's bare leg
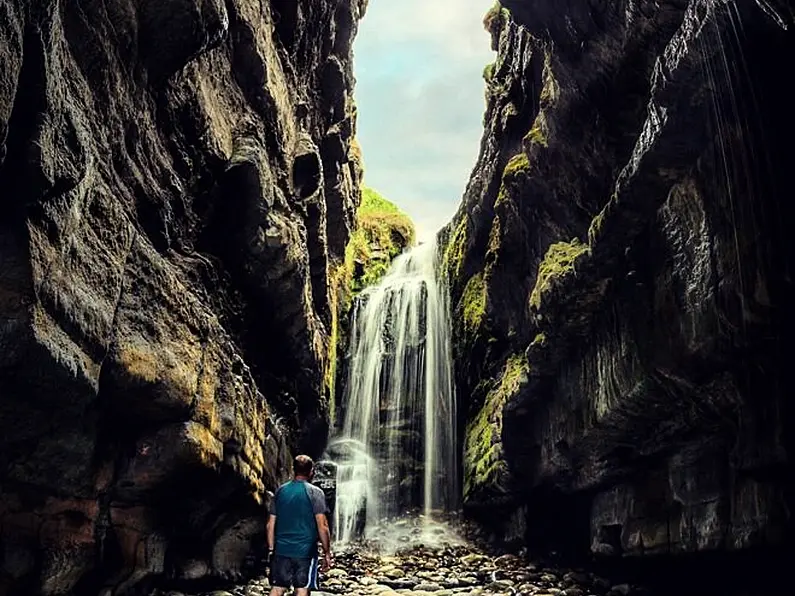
[
  {"x": 302, "y": 592},
  {"x": 277, "y": 591}
]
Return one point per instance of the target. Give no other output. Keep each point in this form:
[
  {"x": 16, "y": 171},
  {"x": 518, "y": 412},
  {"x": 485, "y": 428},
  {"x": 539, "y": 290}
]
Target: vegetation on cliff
[
  {"x": 495, "y": 20},
  {"x": 384, "y": 232},
  {"x": 474, "y": 302},
  {"x": 558, "y": 262},
  {"x": 484, "y": 465}
]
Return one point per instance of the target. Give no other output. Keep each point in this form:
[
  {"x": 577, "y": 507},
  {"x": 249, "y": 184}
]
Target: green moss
[
  {"x": 484, "y": 466},
  {"x": 559, "y": 261},
  {"x": 495, "y": 237},
  {"x": 374, "y": 204},
  {"x": 454, "y": 252},
  {"x": 383, "y": 232},
  {"x": 540, "y": 340},
  {"x": 537, "y": 135},
  {"x": 517, "y": 164},
  {"x": 515, "y": 371},
  {"x": 496, "y": 18},
  {"x": 473, "y": 303},
  {"x": 488, "y": 72},
  {"x": 503, "y": 195}
]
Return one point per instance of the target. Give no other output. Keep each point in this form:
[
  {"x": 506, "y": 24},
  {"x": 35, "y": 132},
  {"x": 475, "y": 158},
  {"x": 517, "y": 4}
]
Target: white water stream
[{"x": 396, "y": 448}]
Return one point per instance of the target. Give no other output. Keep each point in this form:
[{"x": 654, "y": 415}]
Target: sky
[{"x": 420, "y": 95}]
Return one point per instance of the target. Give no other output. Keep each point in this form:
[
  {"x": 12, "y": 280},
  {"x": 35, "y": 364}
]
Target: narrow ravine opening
[
  {"x": 518, "y": 278},
  {"x": 395, "y": 449}
]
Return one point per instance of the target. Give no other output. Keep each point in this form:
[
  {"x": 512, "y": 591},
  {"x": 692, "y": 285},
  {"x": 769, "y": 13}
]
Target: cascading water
[{"x": 395, "y": 450}]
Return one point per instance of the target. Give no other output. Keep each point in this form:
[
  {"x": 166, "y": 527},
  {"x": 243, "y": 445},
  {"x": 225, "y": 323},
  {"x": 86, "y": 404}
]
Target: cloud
[{"x": 421, "y": 100}]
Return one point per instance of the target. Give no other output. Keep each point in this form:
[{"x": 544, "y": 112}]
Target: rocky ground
[{"x": 404, "y": 559}]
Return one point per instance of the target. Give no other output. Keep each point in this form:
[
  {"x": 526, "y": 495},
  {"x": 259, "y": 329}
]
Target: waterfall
[{"x": 395, "y": 450}]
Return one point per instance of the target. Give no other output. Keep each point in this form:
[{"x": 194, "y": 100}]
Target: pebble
[{"x": 445, "y": 568}]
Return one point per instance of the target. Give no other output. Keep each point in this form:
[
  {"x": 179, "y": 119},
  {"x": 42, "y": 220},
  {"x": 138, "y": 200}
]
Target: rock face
[
  {"x": 175, "y": 184},
  {"x": 622, "y": 273}
]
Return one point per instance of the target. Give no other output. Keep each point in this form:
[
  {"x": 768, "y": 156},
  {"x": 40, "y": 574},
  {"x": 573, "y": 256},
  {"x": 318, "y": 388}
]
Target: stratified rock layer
[
  {"x": 621, "y": 267},
  {"x": 175, "y": 183}
]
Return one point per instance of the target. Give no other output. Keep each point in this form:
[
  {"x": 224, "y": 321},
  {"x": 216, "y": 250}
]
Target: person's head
[{"x": 303, "y": 466}]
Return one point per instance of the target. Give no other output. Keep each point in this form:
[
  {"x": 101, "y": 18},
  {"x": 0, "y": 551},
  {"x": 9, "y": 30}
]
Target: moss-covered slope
[{"x": 384, "y": 232}]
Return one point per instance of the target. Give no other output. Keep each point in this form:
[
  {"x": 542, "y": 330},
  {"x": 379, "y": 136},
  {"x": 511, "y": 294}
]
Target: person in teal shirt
[{"x": 296, "y": 523}]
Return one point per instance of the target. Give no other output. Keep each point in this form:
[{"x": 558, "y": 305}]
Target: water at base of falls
[{"x": 395, "y": 450}]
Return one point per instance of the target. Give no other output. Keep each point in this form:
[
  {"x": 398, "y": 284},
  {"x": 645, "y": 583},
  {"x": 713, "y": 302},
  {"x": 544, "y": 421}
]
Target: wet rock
[
  {"x": 164, "y": 291},
  {"x": 551, "y": 239},
  {"x": 401, "y": 584},
  {"x": 473, "y": 560},
  {"x": 507, "y": 561},
  {"x": 427, "y": 587},
  {"x": 394, "y": 573},
  {"x": 601, "y": 584},
  {"x": 432, "y": 570},
  {"x": 574, "y": 577},
  {"x": 367, "y": 581},
  {"x": 500, "y": 586}
]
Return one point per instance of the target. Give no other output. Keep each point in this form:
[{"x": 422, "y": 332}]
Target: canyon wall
[
  {"x": 621, "y": 271},
  {"x": 176, "y": 186}
]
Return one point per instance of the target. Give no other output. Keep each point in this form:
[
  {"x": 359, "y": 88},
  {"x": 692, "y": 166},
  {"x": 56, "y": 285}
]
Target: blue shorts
[{"x": 290, "y": 572}]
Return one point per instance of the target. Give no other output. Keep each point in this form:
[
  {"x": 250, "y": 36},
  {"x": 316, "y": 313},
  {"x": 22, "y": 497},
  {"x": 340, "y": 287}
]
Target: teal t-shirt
[{"x": 296, "y": 504}]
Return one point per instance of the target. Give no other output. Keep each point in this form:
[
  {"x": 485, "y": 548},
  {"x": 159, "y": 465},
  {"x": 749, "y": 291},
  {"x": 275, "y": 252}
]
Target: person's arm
[
  {"x": 271, "y": 534},
  {"x": 325, "y": 538},
  {"x": 320, "y": 509}
]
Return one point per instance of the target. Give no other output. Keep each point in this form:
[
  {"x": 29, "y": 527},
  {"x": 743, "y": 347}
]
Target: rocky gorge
[{"x": 183, "y": 227}]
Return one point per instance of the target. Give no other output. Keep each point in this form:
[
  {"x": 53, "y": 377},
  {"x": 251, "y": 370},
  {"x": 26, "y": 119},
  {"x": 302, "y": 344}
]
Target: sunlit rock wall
[{"x": 175, "y": 185}]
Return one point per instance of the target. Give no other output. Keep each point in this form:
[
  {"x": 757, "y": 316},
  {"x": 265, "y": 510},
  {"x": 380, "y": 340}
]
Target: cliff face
[
  {"x": 175, "y": 184},
  {"x": 621, "y": 267}
]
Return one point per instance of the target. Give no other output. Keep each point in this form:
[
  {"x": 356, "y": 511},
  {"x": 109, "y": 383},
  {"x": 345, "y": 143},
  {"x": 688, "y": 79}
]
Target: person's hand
[{"x": 327, "y": 561}]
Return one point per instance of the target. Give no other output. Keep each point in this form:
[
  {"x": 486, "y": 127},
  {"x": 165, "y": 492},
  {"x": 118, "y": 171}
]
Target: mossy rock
[
  {"x": 559, "y": 261},
  {"x": 473, "y": 303},
  {"x": 540, "y": 341},
  {"x": 495, "y": 21},
  {"x": 518, "y": 164},
  {"x": 383, "y": 233},
  {"x": 538, "y": 134},
  {"x": 485, "y": 469},
  {"x": 455, "y": 251},
  {"x": 488, "y": 72}
]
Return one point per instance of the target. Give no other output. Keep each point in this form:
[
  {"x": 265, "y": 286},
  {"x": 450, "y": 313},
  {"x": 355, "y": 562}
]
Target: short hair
[{"x": 303, "y": 465}]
